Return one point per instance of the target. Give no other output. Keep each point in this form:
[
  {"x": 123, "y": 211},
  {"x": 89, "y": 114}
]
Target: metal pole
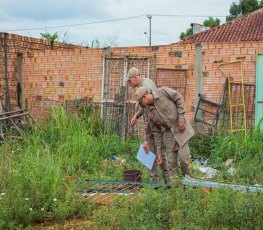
[
  {"x": 7, "y": 99},
  {"x": 150, "y": 29}
]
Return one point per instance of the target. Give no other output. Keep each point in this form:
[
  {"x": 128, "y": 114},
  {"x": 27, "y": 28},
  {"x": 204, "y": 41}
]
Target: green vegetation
[
  {"x": 49, "y": 36},
  {"x": 188, "y": 32},
  {"x": 243, "y": 7},
  {"x": 247, "y": 153},
  {"x": 33, "y": 172},
  {"x": 210, "y": 22},
  {"x": 62, "y": 37},
  {"x": 183, "y": 209},
  {"x": 200, "y": 146},
  {"x": 34, "y": 180}
]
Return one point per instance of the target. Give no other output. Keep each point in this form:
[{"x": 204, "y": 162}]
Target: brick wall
[
  {"x": 76, "y": 74},
  {"x": 228, "y": 52},
  {"x": 60, "y": 75},
  {"x": 214, "y": 79},
  {"x": 21, "y": 45}
]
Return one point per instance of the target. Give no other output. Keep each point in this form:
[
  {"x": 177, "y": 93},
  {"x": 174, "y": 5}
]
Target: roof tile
[{"x": 245, "y": 28}]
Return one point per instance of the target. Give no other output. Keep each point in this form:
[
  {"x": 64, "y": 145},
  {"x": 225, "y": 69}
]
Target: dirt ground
[{"x": 77, "y": 224}]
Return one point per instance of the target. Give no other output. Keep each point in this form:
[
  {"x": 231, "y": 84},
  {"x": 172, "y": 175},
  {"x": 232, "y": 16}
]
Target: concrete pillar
[
  {"x": 198, "y": 80},
  {"x": 20, "y": 82}
]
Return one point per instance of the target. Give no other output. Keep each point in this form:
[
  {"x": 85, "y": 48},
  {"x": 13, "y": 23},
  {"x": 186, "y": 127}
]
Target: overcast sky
[{"x": 26, "y": 14}]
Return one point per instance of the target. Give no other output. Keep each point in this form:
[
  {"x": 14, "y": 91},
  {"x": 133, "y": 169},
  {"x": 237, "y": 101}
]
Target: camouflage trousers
[
  {"x": 176, "y": 153},
  {"x": 164, "y": 166}
]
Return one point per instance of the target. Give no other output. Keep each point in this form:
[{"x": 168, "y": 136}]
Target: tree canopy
[
  {"x": 243, "y": 7},
  {"x": 210, "y": 22}
]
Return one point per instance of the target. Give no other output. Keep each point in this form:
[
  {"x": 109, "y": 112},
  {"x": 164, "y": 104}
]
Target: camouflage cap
[
  {"x": 140, "y": 92},
  {"x": 132, "y": 73}
]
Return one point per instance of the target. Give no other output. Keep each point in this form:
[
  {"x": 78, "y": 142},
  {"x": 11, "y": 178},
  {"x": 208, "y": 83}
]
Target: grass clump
[
  {"x": 247, "y": 153},
  {"x": 34, "y": 172}
]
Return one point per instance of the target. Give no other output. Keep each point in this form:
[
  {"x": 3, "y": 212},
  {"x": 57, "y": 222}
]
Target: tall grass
[
  {"x": 34, "y": 185},
  {"x": 34, "y": 171},
  {"x": 183, "y": 209},
  {"x": 246, "y": 151}
]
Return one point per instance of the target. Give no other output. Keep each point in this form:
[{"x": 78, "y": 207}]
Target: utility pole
[{"x": 150, "y": 29}]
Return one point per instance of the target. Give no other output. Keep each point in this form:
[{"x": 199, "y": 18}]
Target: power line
[
  {"x": 79, "y": 24},
  {"x": 112, "y": 20},
  {"x": 188, "y": 16}
]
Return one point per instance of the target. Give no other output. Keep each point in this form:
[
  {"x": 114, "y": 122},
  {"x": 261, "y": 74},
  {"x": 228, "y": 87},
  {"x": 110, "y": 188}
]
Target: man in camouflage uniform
[
  {"x": 167, "y": 114},
  {"x": 136, "y": 80}
]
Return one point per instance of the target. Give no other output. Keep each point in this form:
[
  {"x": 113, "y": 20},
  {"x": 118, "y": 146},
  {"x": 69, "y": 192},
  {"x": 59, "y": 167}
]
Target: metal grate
[
  {"x": 173, "y": 78},
  {"x": 143, "y": 64},
  {"x": 114, "y": 73},
  {"x": 113, "y": 117},
  {"x": 207, "y": 114},
  {"x": 113, "y": 78},
  {"x": 108, "y": 192},
  {"x": 115, "y": 90}
]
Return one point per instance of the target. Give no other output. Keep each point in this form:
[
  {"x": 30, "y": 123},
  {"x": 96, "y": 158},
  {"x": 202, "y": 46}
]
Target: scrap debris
[
  {"x": 212, "y": 184},
  {"x": 209, "y": 171},
  {"x": 14, "y": 123},
  {"x": 108, "y": 192},
  {"x": 115, "y": 160}
]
